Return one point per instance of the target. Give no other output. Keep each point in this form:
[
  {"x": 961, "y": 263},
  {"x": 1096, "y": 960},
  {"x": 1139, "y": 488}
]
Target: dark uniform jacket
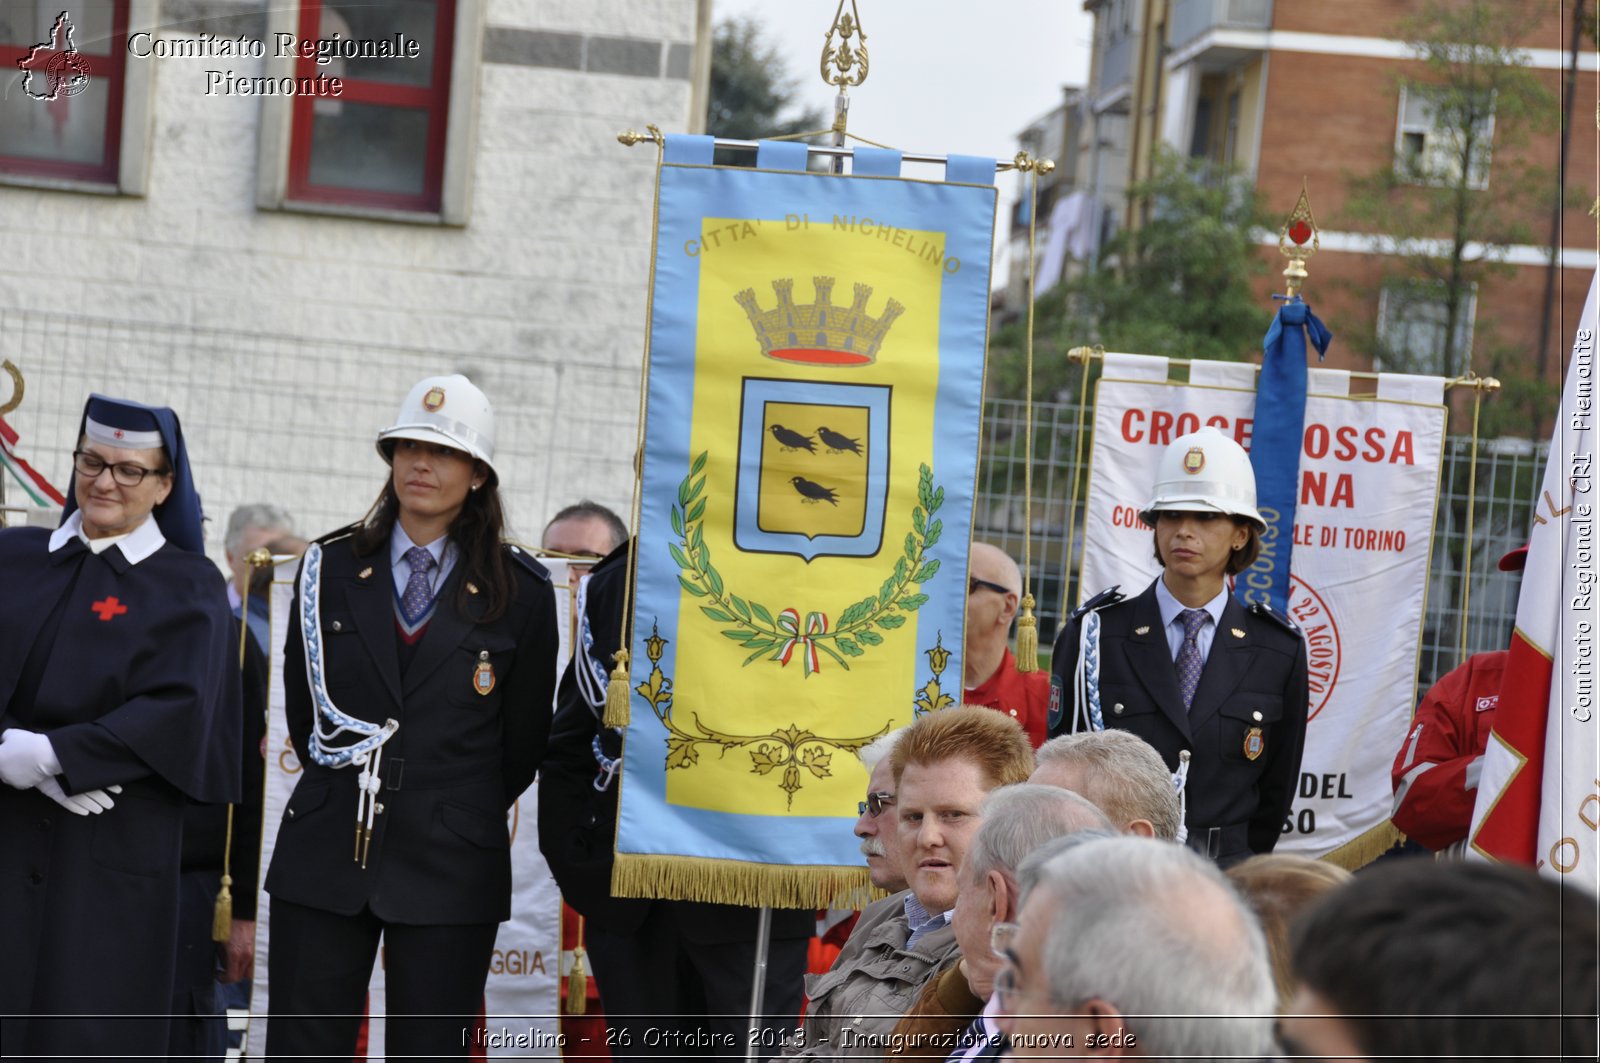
[
  {"x": 1254, "y": 681},
  {"x": 578, "y": 822},
  {"x": 440, "y": 849}
]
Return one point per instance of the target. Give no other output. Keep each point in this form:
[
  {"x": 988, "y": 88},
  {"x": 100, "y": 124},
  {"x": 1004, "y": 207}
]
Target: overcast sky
[{"x": 946, "y": 76}]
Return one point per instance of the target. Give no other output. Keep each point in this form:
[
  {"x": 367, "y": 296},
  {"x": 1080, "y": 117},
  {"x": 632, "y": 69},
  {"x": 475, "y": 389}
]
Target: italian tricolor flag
[{"x": 34, "y": 485}]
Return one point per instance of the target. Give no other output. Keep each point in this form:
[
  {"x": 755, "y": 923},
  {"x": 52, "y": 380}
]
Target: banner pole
[
  {"x": 849, "y": 70},
  {"x": 758, "y": 981}
]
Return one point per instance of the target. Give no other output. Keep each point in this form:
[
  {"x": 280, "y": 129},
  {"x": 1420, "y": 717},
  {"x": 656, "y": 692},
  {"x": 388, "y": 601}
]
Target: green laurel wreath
[{"x": 859, "y": 626}]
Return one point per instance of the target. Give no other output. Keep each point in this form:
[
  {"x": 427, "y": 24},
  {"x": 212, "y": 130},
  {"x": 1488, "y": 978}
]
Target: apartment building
[{"x": 1292, "y": 91}]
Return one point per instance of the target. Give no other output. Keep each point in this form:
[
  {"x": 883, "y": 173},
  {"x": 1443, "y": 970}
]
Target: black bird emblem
[
  {"x": 792, "y": 440},
  {"x": 837, "y": 443},
  {"x": 814, "y": 492}
]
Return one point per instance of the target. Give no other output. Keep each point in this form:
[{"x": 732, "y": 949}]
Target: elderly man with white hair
[
  {"x": 1120, "y": 773},
  {"x": 1130, "y": 947}
]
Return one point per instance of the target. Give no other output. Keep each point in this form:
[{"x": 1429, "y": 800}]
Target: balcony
[
  {"x": 1192, "y": 19},
  {"x": 1116, "y": 64}
]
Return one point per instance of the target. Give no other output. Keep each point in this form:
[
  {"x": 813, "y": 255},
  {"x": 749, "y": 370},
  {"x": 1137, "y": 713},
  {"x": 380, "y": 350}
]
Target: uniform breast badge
[
  {"x": 483, "y": 676},
  {"x": 1254, "y": 743}
]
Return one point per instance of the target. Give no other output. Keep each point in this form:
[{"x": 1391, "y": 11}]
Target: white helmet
[
  {"x": 1205, "y": 472},
  {"x": 448, "y": 410}
]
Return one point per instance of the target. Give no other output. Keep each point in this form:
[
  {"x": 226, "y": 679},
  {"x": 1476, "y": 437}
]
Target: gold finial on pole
[
  {"x": 850, "y": 66},
  {"x": 628, "y": 138},
  {"x": 1298, "y": 228},
  {"x": 850, "y": 63}
]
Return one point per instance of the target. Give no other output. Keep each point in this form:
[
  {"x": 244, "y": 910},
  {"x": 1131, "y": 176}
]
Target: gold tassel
[
  {"x": 1027, "y": 637},
  {"x": 617, "y": 713},
  {"x": 222, "y": 913},
  {"x": 577, "y": 985}
]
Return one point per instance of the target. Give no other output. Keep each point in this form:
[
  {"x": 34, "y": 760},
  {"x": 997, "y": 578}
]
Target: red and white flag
[{"x": 1539, "y": 791}]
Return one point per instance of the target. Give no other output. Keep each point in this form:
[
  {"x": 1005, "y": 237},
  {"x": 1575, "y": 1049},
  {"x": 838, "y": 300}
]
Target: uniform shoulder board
[
  {"x": 1281, "y": 619},
  {"x": 1109, "y": 596},
  {"x": 524, "y": 557},
  {"x": 339, "y": 533}
]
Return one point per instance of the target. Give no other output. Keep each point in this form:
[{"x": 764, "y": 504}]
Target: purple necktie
[
  {"x": 1189, "y": 660},
  {"x": 419, "y": 592}
]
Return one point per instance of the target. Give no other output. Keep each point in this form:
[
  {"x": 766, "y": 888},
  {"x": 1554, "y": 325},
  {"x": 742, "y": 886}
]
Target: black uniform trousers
[{"x": 321, "y": 964}]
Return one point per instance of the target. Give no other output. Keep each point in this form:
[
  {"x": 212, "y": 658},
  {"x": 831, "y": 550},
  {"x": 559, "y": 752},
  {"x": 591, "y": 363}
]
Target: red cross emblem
[
  {"x": 117, "y": 434},
  {"x": 108, "y": 608}
]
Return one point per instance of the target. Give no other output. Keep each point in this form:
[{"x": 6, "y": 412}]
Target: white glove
[
  {"x": 26, "y": 758},
  {"x": 90, "y": 803}
]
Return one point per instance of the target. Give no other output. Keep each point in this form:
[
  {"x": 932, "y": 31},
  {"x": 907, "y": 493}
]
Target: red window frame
[
  {"x": 108, "y": 68},
  {"x": 433, "y": 98}
]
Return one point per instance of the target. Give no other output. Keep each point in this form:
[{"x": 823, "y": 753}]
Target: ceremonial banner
[
  {"x": 811, "y": 436},
  {"x": 1368, "y": 488},
  {"x": 1539, "y": 791},
  {"x": 524, "y": 970}
]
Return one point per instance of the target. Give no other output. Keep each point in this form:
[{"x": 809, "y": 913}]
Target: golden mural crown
[{"x": 819, "y": 333}]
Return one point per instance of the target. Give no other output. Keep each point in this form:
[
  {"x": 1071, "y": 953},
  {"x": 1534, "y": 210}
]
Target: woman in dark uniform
[
  {"x": 1187, "y": 666},
  {"x": 119, "y": 699},
  {"x": 419, "y": 671}
]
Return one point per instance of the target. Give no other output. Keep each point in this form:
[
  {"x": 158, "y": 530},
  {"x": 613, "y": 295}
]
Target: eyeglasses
[
  {"x": 973, "y": 583},
  {"x": 126, "y": 473},
  {"x": 876, "y": 802}
]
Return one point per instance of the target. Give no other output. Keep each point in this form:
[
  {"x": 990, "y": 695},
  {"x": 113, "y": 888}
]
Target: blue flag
[{"x": 1276, "y": 444}]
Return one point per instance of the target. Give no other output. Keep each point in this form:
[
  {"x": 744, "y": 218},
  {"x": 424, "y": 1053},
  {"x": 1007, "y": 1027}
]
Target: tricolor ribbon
[
  {"x": 33, "y": 482},
  {"x": 816, "y": 625}
]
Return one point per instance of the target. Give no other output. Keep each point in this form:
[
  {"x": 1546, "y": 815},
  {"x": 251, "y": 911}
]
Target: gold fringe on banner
[
  {"x": 1363, "y": 849},
  {"x": 695, "y": 878}
]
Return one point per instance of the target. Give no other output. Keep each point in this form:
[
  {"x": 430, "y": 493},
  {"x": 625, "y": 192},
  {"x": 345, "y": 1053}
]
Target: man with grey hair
[
  {"x": 1130, "y": 947},
  {"x": 1120, "y": 773},
  {"x": 876, "y": 825},
  {"x": 1016, "y": 820},
  {"x": 251, "y": 527}
]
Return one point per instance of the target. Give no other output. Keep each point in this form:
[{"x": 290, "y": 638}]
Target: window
[
  {"x": 74, "y": 113},
  {"x": 1431, "y": 144},
  {"x": 1413, "y": 320},
  {"x": 381, "y": 128}
]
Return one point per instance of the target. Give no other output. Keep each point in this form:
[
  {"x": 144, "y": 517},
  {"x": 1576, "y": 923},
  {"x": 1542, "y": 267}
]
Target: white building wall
[{"x": 286, "y": 340}]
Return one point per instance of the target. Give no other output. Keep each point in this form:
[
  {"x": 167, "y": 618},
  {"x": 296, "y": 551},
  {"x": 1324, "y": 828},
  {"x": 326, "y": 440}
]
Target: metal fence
[{"x": 1508, "y": 473}]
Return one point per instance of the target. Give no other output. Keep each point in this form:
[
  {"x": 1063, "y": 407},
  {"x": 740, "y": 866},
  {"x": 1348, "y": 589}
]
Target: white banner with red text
[{"x": 1369, "y": 479}]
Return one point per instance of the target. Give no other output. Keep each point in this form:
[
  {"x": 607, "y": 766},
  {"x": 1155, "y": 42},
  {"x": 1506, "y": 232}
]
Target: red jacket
[
  {"x": 1025, "y": 698},
  {"x": 1435, "y": 774}
]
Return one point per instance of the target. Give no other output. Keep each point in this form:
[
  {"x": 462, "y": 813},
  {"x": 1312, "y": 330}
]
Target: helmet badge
[
  {"x": 1194, "y": 461},
  {"x": 434, "y": 399}
]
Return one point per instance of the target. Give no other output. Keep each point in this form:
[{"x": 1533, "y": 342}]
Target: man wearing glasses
[
  {"x": 119, "y": 701},
  {"x": 876, "y": 826},
  {"x": 1131, "y": 946},
  {"x": 994, "y": 587}
]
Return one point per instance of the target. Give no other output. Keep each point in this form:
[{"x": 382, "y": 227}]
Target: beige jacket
[{"x": 855, "y": 1006}]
